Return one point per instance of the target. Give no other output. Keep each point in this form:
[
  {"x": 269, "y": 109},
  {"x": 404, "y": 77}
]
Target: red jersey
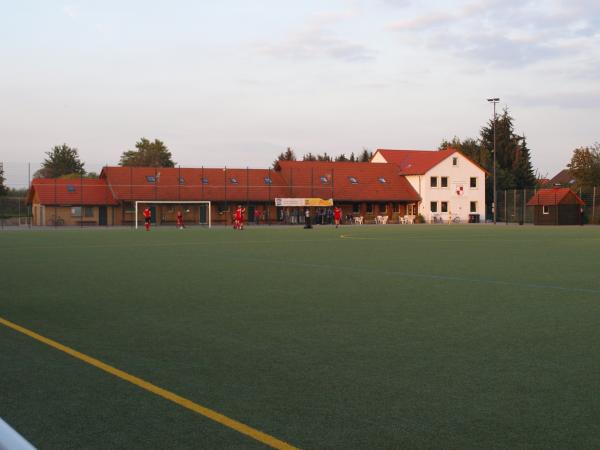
[
  {"x": 337, "y": 213},
  {"x": 147, "y": 213},
  {"x": 239, "y": 214}
]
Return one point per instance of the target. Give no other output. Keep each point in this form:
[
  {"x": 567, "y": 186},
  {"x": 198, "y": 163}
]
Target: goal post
[{"x": 200, "y": 203}]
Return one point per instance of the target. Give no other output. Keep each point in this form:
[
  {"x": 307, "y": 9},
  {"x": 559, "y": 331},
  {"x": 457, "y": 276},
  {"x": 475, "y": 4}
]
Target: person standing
[
  {"x": 180, "y": 220},
  {"x": 257, "y": 215},
  {"x": 337, "y": 216},
  {"x": 147, "y": 217},
  {"x": 307, "y": 223}
]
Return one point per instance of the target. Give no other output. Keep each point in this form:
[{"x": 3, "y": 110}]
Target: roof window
[
  {"x": 382, "y": 180},
  {"x": 353, "y": 180},
  {"x": 70, "y": 188},
  {"x": 233, "y": 180},
  {"x": 268, "y": 180},
  {"x": 150, "y": 178},
  {"x": 181, "y": 180},
  {"x": 204, "y": 180},
  {"x": 324, "y": 179}
]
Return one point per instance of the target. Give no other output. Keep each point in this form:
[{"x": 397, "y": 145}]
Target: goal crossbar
[{"x": 173, "y": 202}]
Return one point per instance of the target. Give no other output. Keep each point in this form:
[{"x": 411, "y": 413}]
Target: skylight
[
  {"x": 324, "y": 179},
  {"x": 233, "y": 180},
  {"x": 150, "y": 178},
  {"x": 268, "y": 180},
  {"x": 181, "y": 180},
  {"x": 353, "y": 180},
  {"x": 70, "y": 188},
  {"x": 382, "y": 180},
  {"x": 204, "y": 180}
]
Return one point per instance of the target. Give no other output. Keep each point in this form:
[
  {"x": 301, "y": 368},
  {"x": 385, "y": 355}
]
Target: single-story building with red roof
[
  {"x": 557, "y": 206},
  {"x": 78, "y": 201}
]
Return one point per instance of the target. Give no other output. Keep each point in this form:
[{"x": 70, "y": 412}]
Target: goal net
[{"x": 164, "y": 212}]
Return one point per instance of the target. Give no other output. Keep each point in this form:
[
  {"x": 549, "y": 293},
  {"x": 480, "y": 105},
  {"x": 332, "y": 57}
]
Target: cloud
[
  {"x": 507, "y": 33},
  {"x": 567, "y": 100},
  {"x": 70, "y": 11},
  {"x": 318, "y": 42}
]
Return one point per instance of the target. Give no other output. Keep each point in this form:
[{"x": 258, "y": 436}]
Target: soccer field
[{"x": 373, "y": 337}]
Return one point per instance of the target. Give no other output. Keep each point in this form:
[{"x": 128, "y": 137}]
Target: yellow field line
[{"x": 206, "y": 412}]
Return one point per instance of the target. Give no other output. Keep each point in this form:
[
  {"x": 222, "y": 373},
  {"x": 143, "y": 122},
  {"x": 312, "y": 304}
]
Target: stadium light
[{"x": 494, "y": 100}]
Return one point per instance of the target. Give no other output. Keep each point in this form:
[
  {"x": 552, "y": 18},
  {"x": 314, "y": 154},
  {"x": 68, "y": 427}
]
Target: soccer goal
[{"x": 196, "y": 212}]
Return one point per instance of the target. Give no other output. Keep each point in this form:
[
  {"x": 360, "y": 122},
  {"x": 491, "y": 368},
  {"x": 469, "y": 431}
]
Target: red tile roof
[
  {"x": 131, "y": 183},
  {"x": 418, "y": 162},
  {"x": 555, "y": 196},
  {"x": 77, "y": 191},
  {"x": 333, "y": 180}
]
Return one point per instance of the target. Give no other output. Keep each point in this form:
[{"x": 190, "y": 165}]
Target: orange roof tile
[
  {"x": 555, "y": 196},
  {"x": 418, "y": 162},
  {"x": 77, "y": 191}
]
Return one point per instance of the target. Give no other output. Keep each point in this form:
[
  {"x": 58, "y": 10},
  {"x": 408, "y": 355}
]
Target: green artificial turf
[{"x": 374, "y": 337}]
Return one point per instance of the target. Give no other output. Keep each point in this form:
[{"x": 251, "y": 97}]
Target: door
[
  {"x": 153, "y": 212},
  {"x": 203, "y": 213},
  {"x": 250, "y": 212},
  {"x": 102, "y": 215}
]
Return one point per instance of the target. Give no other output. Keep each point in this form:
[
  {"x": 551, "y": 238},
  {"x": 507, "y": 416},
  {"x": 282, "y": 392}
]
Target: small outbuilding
[{"x": 557, "y": 206}]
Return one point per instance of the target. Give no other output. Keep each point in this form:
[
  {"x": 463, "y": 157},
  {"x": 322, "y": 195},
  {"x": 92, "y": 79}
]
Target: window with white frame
[
  {"x": 433, "y": 182},
  {"x": 444, "y": 207},
  {"x": 77, "y": 211},
  {"x": 473, "y": 207},
  {"x": 444, "y": 182},
  {"x": 473, "y": 182},
  {"x": 433, "y": 207},
  {"x": 545, "y": 209},
  {"x": 454, "y": 161}
]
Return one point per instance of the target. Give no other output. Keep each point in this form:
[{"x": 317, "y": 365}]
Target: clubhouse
[{"x": 369, "y": 191}]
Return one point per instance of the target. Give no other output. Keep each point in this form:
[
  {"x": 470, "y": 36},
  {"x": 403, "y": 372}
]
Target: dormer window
[
  {"x": 70, "y": 188},
  {"x": 233, "y": 180},
  {"x": 382, "y": 180},
  {"x": 353, "y": 180},
  {"x": 268, "y": 180},
  {"x": 204, "y": 180},
  {"x": 324, "y": 179},
  {"x": 150, "y": 178}
]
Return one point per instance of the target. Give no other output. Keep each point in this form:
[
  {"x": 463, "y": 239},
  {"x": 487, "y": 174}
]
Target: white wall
[{"x": 459, "y": 175}]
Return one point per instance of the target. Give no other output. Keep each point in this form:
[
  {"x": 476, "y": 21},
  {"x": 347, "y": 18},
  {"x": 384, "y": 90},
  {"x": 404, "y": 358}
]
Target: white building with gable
[{"x": 451, "y": 185}]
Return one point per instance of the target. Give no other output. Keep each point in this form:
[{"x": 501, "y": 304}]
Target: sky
[{"x": 236, "y": 82}]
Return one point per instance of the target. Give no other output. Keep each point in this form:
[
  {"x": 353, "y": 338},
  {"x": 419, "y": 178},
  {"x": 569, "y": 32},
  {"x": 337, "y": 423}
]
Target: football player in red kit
[
  {"x": 180, "y": 220},
  {"x": 337, "y": 216},
  {"x": 239, "y": 217},
  {"x": 147, "y": 217}
]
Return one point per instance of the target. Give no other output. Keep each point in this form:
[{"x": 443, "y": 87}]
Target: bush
[{"x": 420, "y": 219}]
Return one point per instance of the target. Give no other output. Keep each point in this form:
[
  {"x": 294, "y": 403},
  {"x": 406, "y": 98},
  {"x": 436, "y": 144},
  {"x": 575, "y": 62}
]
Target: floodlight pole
[{"x": 494, "y": 204}]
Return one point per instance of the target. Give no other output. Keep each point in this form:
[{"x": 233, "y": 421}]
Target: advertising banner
[{"x": 303, "y": 202}]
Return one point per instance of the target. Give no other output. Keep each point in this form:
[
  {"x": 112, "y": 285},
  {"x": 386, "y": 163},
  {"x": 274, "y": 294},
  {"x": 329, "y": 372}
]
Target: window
[
  {"x": 545, "y": 209},
  {"x": 433, "y": 207},
  {"x": 433, "y": 182},
  {"x": 356, "y": 208},
  {"x": 353, "y": 180},
  {"x": 396, "y": 207},
  {"x": 370, "y": 207},
  {"x": 267, "y": 180},
  {"x": 204, "y": 181},
  {"x": 181, "y": 180},
  {"x": 76, "y": 211},
  {"x": 233, "y": 180},
  {"x": 382, "y": 180},
  {"x": 444, "y": 182},
  {"x": 473, "y": 208},
  {"x": 382, "y": 207},
  {"x": 473, "y": 182},
  {"x": 150, "y": 178},
  {"x": 455, "y": 161},
  {"x": 70, "y": 188},
  {"x": 324, "y": 179},
  {"x": 222, "y": 207},
  {"x": 444, "y": 208}
]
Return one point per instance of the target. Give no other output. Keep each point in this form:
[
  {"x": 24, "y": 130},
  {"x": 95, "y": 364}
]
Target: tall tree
[
  {"x": 522, "y": 168},
  {"x": 341, "y": 158},
  {"x": 61, "y": 160},
  {"x": 309, "y": 157},
  {"x": 352, "y": 157},
  {"x": 365, "y": 156},
  {"x": 148, "y": 154},
  {"x": 585, "y": 165},
  {"x": 288, "y": 155},
  {"x": 3, "y": 189},
  {"x": 324, "y": 157}
]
